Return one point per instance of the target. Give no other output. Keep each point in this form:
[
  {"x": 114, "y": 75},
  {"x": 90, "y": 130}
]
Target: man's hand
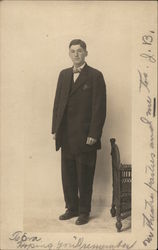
[
  {"x": 54, "y": 136},
  {"x": 91, "y": 141}
]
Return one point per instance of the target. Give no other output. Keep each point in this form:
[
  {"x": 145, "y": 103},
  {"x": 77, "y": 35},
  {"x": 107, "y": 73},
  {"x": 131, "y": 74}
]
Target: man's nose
[{"x": 76, "y": 53}]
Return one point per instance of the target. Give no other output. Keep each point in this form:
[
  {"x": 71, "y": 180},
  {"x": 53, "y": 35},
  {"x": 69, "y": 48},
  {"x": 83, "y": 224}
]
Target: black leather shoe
[
  {"x": 68, "y": 215},
  {"x": 82, "y": 219}
]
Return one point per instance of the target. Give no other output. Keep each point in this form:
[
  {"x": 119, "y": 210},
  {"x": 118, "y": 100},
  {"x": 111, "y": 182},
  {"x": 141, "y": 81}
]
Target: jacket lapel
[
  {"x": 67, "y": 83},
  {"x": 80, "y": 80}
]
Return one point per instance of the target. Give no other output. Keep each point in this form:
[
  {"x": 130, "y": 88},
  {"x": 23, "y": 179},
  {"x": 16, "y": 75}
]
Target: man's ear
[{"x": 86, "y": 53}]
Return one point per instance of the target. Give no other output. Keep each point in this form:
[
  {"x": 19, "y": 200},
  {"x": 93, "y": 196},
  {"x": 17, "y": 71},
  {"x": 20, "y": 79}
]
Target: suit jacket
[{"x": 82, "y": 107}]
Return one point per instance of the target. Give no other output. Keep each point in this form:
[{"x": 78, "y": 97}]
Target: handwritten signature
[
  {"x": 149, "y": 123},
  {"x": 150, "y": 171},
  {"x": 144, "y": 83},
  {"x": 26, "y": 241},
  {"x": 23, "y": 240},
  {"x": 143, "y": 80},
  {"x": 149, "y": 214},
  {"x": 148, "y": 41},
  {"x": 148, "y": 219},
  {"x": 81, "y": 244}
]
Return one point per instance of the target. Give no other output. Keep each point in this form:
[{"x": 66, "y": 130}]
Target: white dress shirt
[{"x": 76, "y": 75}]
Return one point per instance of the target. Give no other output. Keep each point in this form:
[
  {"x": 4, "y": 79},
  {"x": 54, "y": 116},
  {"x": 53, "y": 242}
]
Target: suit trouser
[{"x": 77, "y": 179}]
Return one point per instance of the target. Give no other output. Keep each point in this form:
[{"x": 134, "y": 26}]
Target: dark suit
[{"x": 79, "y": 112}]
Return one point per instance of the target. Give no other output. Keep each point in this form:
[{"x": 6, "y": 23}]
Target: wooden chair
[{"x": 121, "y": 198}]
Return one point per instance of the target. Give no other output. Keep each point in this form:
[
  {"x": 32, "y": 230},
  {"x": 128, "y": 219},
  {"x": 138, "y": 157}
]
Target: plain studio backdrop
[{"x": 35, "y": 39}]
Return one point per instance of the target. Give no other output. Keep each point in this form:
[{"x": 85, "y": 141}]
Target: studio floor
[{"x": 44, "y": 218}]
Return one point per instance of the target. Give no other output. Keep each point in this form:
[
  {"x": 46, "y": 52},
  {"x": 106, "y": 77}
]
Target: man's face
[{"x": 77, "y": 55}]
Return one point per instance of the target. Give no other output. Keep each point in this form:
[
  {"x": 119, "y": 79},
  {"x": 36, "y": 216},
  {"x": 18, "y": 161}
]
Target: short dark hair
[{"x": 78, "y": 42}]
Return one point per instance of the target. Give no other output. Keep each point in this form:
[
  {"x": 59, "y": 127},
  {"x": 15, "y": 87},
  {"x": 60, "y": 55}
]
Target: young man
[{"x": 78, "y": 118}]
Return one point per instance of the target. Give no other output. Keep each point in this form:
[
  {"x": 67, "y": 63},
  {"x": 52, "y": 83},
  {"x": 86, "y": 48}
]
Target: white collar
[{"x": 81, "y": 67}]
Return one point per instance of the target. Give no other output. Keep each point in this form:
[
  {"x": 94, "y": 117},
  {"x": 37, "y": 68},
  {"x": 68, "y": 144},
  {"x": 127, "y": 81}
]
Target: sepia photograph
[{"x": 78, "y": 125}]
